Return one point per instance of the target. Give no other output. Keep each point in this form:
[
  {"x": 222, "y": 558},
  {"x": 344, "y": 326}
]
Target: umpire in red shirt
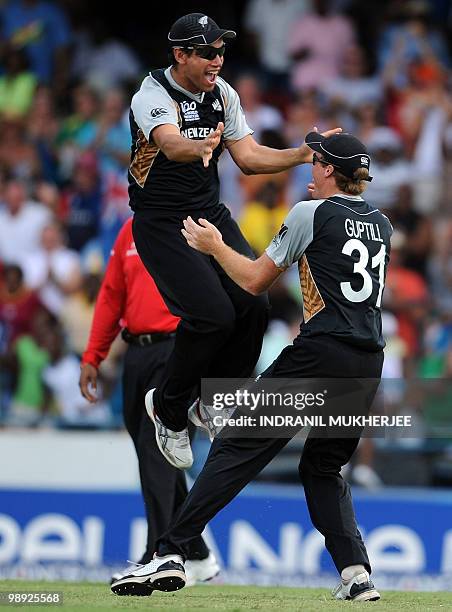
[{"x": 129, "y": 302}]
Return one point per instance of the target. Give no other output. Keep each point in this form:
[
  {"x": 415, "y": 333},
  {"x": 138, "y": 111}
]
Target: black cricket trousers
[
  {"x": 222, "y": 326},
  {"x": 234, "y": 462},
  {"x": 163, "y": 486}
]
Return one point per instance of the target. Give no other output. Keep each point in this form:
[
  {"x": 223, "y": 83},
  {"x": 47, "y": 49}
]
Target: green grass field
[{"x": 77, "y": 596}]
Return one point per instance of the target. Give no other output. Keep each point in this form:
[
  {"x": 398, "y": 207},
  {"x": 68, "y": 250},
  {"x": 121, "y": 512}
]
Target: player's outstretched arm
[
  {"x": 253, "y": 158},
  {"x": 180, "y": 149},
  {"x": 254, "y": 276}
]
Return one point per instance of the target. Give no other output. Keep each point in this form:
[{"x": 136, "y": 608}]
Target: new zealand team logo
[
  {"x": 280, "y": 235},
  {"x": 156, "y": 112}
]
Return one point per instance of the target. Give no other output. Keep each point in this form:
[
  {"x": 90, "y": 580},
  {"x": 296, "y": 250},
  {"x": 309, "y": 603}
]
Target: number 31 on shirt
[{"x": 377, "y": 261}]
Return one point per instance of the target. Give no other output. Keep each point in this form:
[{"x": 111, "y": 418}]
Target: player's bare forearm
[
  {"x": 253, "y": 158},
  {"x": 265, "y": 160},
  {"x": 238, "y": 267},
  {"x": 254, "y": 276},
  {"x": 180, "y": 149}
]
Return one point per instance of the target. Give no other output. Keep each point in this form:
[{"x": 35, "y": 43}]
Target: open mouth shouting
[{"x": 211, "y": 76}]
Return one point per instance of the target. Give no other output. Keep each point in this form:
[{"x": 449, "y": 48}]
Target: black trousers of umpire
[
  {"x": 234, "y": 462},
  {"x": 164, "y": 487},
  {"x": 222, "y": 326}
]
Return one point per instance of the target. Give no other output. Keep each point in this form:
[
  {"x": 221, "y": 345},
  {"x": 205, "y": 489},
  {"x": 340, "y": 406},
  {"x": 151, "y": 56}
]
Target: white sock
[{"x": 352, "y": 570}]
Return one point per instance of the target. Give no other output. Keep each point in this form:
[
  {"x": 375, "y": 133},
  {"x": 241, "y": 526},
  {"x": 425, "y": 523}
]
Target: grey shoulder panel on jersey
[
  {"x": 295, "y": 235},
  {"x": 152, "y": 106}
]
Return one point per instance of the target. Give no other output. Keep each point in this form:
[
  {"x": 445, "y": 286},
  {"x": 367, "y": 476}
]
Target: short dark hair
[{"x": 171, "y": 58}]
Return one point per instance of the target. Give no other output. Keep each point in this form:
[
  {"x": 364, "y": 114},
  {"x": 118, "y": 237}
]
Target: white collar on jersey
[
  {"x": 199, "y": 97},
  {"x": 347, "y": 197}
]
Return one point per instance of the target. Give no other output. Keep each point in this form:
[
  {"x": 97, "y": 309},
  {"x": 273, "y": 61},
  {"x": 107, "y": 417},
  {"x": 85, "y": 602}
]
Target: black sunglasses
[
  {"x": 316, "y": 158},
  {"x": 208, "y": 52}
]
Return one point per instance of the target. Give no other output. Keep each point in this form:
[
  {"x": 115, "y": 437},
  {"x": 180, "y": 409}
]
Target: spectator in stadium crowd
[
  {"x": 77, "y": 312},
  {"x": 408, "y": 297},
  {"x": 353, "y": 86},
  {"x": 317, "y": 43},
  {"x": 84, "y": 109},
  {"x": 17, "y": 84},
  {"x": 391, "y": 169},
  {"x": 81, "y": 202},
  {"x": 108, "y": 135},
  {"x": 440, "y": 267},
  {"x": 18, "y": 156},
  {"x": 408, "y": 37},
  {"x": 417, "y": 228},
  {"x": 61, "y": 379},
  {"x": 18, "y": 305},
  {"x": 27, "y": 360},
  {"x": 47, "y": 194},
  {"x": 266, "y": 23},
  {"x": 128, "y": 296},
  {"x": 42, "y": 130},
  {"x": 260, "y": 117},
  {"x": 304, "y": 112},
  {"x": 42, "y": 30},
  {"x": 52, "y": 269},
  {"x": 263, "y": 215},
  {"x": 367, "y": 118},
  {"x": 266, "y": 203},
  {"x": 110, "y": 139},
  {"x": 102, "y": 61},
  {"x": 21, "y": 222}
]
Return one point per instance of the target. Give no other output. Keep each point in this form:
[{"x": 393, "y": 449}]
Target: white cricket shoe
[
  {"x": 136, "y": 589},
  {"x": 364, "y": 476},
  {"x": 161, "y": 574},
  {"x": 131, "y": 565},
  {"x": 201, "y": 570},
  {"x": 203, "y": 416},
  {"x": 174, "y": 445},
  {"x": 358, "y": 588}
]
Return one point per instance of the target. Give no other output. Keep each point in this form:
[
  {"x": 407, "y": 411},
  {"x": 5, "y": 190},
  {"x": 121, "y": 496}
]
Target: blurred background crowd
[{"x": 379, "y": 69}]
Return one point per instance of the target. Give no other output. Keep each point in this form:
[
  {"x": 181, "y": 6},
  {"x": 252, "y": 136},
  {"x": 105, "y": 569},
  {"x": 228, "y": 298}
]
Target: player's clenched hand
[
  {"x": 204, "y": 237},
  {"x": 88, "y": 380},
  {"x": 210, "y": 143},
  {"x": 306, "y": 152}
]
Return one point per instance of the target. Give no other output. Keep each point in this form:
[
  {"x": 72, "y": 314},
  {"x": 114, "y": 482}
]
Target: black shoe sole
[
  {"x": 168, "y": 584},
  {"x": 134, "y": 589},
  {"x": 169, "y": 579},
  {"x": 364, "y": 599}
]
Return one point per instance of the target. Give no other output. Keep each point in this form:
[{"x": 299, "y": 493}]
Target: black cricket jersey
[
  {"x": 342, "y": 247},
  {"x": 154, "y": 180}
]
